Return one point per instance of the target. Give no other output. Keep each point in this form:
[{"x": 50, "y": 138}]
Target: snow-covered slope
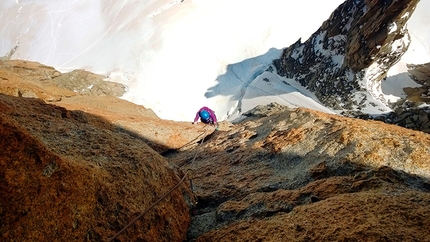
[{"x": 175, "y": 56}]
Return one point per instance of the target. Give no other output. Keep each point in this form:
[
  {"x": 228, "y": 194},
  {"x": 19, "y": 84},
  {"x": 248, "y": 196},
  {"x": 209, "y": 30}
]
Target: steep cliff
[
  {"x": 349, "y": 55},
  {"x": 83, "y": 166},
  {"x": 287, "y": 174},
  {"x": 84, "y": 173},
  {"x": 346, "y": 60}
]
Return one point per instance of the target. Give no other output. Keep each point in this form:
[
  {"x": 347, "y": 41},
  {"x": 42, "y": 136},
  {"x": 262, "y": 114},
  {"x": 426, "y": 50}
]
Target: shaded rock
[
  {"x": 70, "y": 90},
  {"x": 343, "y": 62},
  {"x": 161, "y": 135},
  {"x": 280, "y": 174},
  {"x": 421, "y": 75},
  {"x": 297, "y": 174},
  {"x": 363, "y": 217},
  {"x": 409, "y": 114},
  {"x": 72, "y": 176},
  {"x": 346, "y": 59}
]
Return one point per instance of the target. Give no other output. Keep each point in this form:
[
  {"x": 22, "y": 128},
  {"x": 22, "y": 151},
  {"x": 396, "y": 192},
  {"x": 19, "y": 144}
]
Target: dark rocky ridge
[
  {"x": 361, "y": 33},
  {"x": 347, "y": 58}
]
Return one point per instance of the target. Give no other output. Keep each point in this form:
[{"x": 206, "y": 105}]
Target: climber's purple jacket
[{"x": 211, "y": 113}]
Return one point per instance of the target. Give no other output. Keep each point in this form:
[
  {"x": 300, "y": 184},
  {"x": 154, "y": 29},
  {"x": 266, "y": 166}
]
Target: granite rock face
[
  {"x": 85, "y": 91},
  {"x": 345, "y": 60},
  {"x": 413, "y": 112},
  {"x": 32, "y": 79},
  {"x": 82, "y": 167},
  {"x": 79, "y": 165},
  {"x": 72, "y": 176},
  {"x": 287, "y": 174}
]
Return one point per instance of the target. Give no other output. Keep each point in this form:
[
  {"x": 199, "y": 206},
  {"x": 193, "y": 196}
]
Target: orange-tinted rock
[
  {"x": 31, "y": 79},
  {"x": 72, "y": 176},
  {"x": 83, "y": 168},
  {"x": 300, "y": 175}
]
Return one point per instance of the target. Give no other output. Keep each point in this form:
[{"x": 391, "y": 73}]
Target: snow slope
[{"x": 176, "y": 56}]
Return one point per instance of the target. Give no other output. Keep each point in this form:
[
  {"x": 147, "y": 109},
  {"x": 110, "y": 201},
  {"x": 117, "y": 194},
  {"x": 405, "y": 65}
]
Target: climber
[{"x": 207, "y": 116}]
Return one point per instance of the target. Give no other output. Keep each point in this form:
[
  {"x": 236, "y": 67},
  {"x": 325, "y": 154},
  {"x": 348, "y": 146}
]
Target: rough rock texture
[
  {"x": 82, "y": 169},
  {"x": 421, "y": 74},
  {"x": 299, "y": 175},
  {"x": 346, "y": 59},
  {"x": 348, "y": 56},
  {"x": 83, "y": 175},
  {"x": 409, "y": 114},
  {"x": 32, "y": 79},
  {"x": 414, "y": 111},
  {"x": 71, "y": 176},
  {"x": 87, "y": 83},
  {"x": 81, "y": 90}
]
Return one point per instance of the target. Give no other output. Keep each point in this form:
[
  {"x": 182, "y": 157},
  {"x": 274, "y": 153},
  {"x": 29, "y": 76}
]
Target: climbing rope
[
  {"x": 149, "y": 208},
  {"x": 205, "y": 129},
  {"x": 166, "y": 194},
  {"x": 204, "y": 133},
  {"x": 191, "y": 179}
]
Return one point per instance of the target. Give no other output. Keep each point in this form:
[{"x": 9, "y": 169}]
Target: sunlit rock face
[
  {"x": 89, "y": 92},
  {"x": 77, "y": 163},
  {"x": 344, "y": 61},
  {"x": 285, "y": 174},
  {"x": 80, "y": 167},
  {"x": 32, "y": 79},
  {"x": 73, "y": 176}
]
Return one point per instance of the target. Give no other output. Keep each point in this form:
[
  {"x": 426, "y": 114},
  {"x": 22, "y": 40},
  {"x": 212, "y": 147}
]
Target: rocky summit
[{"x": 88, "y": 166}]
